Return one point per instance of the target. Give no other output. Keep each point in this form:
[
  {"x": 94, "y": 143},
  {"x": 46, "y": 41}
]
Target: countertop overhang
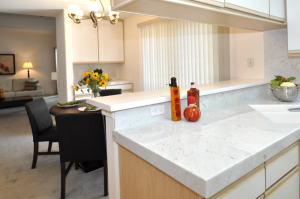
[{"x": 138, "y": 99}]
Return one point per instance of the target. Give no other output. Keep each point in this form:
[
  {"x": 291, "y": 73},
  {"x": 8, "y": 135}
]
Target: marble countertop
[
  {"x": 119, "y": 82},
  {"x": 138, "y": 99},
  {"x": 207, "y": 158}
]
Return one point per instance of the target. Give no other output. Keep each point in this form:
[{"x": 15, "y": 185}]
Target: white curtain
[{"x": 180, "y": 49}]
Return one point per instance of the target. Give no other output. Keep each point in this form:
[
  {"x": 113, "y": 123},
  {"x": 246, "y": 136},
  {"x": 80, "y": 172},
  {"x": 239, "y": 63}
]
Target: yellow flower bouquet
[{"x": 94, "y": 79}]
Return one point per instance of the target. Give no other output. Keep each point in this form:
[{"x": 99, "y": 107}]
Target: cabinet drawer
[
  {"x": 123, "y": 87},
  {"x": 287, "y": 187},
  {"x": 281, "y": 164},
  {"x": 250, "y": 186}
]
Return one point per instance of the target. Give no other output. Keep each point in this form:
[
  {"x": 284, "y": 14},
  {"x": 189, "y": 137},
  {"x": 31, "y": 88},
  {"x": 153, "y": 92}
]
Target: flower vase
[{"x": 96, "y": 93}]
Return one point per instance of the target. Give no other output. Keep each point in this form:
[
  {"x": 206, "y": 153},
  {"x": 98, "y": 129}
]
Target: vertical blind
[{"x": 180, "y": 49}]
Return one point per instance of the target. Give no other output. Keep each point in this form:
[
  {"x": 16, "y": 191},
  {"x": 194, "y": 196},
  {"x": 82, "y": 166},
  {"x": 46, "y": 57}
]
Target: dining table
[{"x": 86, "y": 166}]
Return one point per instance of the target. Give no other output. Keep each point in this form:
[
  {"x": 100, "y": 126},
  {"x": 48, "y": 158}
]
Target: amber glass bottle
[
  {"x": 175, "y": 100},
  {"x": 195, "y": 93}
]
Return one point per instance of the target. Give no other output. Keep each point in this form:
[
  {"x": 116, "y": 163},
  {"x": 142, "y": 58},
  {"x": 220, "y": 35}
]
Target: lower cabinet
[
  {"x": 277, "y": 178},
  {"x": 251, "y": 186},
  {"x": 287, "y": 187}
]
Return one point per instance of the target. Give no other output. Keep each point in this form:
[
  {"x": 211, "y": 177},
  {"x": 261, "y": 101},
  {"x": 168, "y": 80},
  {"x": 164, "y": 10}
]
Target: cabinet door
[
  {"x": 84, "y": 42},
  {"x": 277, "y": 10},
  {"x": 256, "y": 7},
  {"x": 287, "y": 187},
  {"x": 250, "y": 186},
  {"x": 219, "y": 3},
  {"x": 293, "y": 16},
  {"x": 111, "y": 43}
]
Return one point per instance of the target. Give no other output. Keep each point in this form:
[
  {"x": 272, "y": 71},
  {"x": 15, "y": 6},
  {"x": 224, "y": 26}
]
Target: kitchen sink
[{"x": 279, "y": 113}]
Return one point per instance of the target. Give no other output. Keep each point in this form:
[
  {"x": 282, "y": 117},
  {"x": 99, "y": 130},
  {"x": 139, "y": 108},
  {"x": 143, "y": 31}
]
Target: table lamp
[{"x": 28, "y": 65}]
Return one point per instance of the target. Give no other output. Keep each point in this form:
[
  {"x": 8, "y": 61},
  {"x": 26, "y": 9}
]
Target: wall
[
  {"x": 132, "y": 68},
  {"x": 246, "y": 44},
  {"x": 277, "y": 61},
  {"x": 32, "y": 39},
  {"x": 112, "y": 70}
]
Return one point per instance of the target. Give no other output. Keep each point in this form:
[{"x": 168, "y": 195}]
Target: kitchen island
[{"x": 227, "y": 150}]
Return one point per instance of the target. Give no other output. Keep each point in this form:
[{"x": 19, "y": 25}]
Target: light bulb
[
  {"x": 98, "y": 15},
  {"x": 73, "y": 9},
  {"x": 80, "y": 13},
  {"x": 93, "y": 5},
  {"x": 114, "y": 15}
]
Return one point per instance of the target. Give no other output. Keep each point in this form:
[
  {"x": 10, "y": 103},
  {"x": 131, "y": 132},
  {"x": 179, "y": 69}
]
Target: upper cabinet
[
  {"x": 245, "y": 14},
  {"x": 97, "y": 45},
  {"x": 84, "y": 42},
  {"x": 277, "y": 10},
  {"x": 256, "y": 7},
  {"x": 293, "y": 16},
  {"x": 219, "y": 3},
  {"x": 111, "y": 44}
]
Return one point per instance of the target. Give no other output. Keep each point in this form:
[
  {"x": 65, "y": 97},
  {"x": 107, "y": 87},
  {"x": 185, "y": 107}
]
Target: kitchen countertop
[
  {"x": 138, "y": 99},
  {"x": 119, "y": 82},
  {"x": 208, "y": 158}
]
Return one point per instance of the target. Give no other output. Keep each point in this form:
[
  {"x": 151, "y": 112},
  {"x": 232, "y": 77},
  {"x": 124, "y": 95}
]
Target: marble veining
[
  {"x": 277, "y": 61},
  {"x": 207, "y": 158}
]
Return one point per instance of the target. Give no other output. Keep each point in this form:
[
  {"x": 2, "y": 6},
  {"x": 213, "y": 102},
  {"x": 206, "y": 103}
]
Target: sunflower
[
  {"x": 95, "y": 75},
  {"x": 76, "y": 87},
  {"x": 105, "y": 76},
  {"x": 98, "y": 80},
  {"x": 87, "y": 81},
  {"x": 86, "y": 74},
  {"x": 103, "y": 83}
]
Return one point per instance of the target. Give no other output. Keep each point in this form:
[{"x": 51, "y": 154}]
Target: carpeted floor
[{"x": 18, "y": 180}]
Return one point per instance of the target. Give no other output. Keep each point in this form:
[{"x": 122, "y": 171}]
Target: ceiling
[{"x": 48, "y": 8}]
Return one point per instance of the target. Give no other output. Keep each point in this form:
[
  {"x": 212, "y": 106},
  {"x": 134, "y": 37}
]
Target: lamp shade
[
  {"x": 54, "y": 75},
  {"x": 73, "y": 9},
  {"x": 93, "y": 5},
  {"x": 27, "y": 65}
]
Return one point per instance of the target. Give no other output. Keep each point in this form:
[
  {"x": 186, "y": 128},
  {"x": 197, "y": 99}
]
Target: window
[{"x": 189, "y": 51}]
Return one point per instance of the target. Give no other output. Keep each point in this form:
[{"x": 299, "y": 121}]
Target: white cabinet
[
  {"x": 84, "y": 42},
  {"x": 293, "y": 16},
  {"x": 277, "y": 10},
  {"x": 111, "y": 45},
  {"x": 256, "y": 7},
  {"x": 281, "y": 164},
  {"x": 104, "y": 44},
  {"x": 219, "y": 3},
  {"x": 287, "y": 187},
  {"x": 251, "y": 186}
]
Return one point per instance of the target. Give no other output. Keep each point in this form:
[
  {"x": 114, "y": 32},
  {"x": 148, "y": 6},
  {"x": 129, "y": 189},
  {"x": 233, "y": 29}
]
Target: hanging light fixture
[{"x": 93, "y": 6}]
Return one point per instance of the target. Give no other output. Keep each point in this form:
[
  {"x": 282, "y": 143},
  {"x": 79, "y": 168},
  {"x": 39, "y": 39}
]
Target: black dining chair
[
  {"x": 42, "y": 127},
  {"x": 110, "y": 92},
  {"x": 81, "y": 138}
]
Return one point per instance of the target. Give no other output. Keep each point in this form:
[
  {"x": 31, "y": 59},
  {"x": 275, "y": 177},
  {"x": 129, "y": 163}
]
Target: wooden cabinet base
[{"x": 140, "y": 179}]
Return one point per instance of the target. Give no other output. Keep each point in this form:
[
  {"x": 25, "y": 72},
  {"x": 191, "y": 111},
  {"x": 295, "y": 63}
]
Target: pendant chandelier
[{"x": 93, "y": 6}]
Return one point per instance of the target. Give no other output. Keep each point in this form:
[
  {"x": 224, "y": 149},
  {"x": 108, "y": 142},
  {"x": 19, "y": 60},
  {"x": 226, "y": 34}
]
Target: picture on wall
[{"x": 7, "y": 64}]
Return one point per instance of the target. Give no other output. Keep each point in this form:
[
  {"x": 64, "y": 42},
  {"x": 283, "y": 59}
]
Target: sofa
[{"x": 15, "y": 88}]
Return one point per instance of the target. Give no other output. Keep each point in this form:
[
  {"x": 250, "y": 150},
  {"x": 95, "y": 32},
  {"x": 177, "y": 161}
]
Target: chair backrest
[
  {"x": 39, "y": 117},
  {"x": 81, "y": 137},
  {"x": 110, "y": 92}
]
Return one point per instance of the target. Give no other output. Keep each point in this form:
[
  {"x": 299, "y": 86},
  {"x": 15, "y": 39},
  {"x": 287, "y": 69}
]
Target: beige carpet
[{"x": 18, "y": 180}]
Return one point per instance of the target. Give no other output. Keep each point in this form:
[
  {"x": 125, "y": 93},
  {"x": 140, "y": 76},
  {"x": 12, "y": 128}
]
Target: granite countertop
[{"x": 207, "y": 158}]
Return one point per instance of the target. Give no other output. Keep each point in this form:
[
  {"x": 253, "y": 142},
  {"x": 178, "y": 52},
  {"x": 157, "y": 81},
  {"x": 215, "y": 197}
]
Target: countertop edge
[{"x": 163, "y": 95}]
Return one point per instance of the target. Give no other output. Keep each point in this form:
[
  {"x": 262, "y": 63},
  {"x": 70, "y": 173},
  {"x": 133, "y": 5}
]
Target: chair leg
[
  {"x": 49, "y": 146},
  {"x": 105, "y": 178},
  {"x": 76, "y": 166},
  {"x": 63, "y": 180},
  {"x": 35, "y": 154}
]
